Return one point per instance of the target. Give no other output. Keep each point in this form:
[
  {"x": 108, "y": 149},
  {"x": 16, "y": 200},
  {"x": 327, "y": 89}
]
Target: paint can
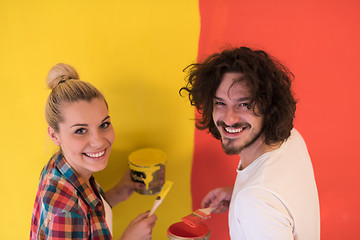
[
  {"x": 182, "y": 231},
  {"x": 147, "y": 166}
]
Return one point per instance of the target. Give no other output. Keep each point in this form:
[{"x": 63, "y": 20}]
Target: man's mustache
[{"x": 221, "y": 123}]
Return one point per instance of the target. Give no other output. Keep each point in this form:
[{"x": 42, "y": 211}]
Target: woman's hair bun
[{"x": 60, "y": 72}]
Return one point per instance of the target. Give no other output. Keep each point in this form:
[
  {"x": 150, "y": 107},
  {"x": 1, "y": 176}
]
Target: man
[{"x": 245, "y": 100}]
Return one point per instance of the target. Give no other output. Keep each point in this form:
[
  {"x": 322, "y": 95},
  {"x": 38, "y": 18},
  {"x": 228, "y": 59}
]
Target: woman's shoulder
[{"x": 56, "y": 193}]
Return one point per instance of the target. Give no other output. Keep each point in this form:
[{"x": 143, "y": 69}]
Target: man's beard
[{"x": 229, "y": 148}]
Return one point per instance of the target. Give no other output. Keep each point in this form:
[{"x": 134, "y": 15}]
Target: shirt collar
[{"x": 87, "y": 193}]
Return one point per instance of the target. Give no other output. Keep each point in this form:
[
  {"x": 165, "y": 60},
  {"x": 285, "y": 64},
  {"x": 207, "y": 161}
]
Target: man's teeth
[
  {"x": 233, "y": 130},
  {"x": 95, "y": 155}
]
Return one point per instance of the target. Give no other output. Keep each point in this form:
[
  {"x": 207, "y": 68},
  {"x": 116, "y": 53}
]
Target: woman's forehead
[{"x": 84, "y": 111}]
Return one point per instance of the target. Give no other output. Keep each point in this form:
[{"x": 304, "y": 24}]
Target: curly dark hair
[{"x": 269, "y": 82}]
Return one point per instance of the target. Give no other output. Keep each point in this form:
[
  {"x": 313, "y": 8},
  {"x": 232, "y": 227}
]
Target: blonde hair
[{"x": 66, "y": 88}]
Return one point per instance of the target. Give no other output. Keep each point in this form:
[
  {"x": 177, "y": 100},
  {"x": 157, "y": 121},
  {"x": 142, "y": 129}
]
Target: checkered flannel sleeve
[{"x": 67, "y": 225}]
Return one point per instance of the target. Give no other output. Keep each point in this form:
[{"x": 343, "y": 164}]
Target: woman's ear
[{"x": 54, "y": 136}]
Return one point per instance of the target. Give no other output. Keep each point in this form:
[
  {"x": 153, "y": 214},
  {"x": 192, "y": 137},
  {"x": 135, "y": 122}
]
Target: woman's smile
[{"x": 95, "y": 155}]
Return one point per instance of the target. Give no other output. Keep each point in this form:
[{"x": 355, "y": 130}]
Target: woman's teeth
[
  {"x": 95, "y": 155},
  {"x": 233, "y": 130}
]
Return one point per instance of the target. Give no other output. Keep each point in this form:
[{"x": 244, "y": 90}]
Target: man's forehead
[{"x": 236, "y": 76}]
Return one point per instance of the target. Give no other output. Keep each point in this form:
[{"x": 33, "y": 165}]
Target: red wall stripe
[{"x": 318, "y": 41}]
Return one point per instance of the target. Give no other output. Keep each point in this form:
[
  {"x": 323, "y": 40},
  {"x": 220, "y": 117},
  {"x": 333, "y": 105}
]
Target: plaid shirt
[{"x": 66, "y": 207}]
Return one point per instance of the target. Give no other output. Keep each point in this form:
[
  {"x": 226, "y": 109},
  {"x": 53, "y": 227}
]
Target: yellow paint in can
[{"x": 148, "y": 166}]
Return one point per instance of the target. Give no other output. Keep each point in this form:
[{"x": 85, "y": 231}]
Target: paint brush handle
[
  {"x": 155, "y": 206},
  {"x": 208, "y": 210}
]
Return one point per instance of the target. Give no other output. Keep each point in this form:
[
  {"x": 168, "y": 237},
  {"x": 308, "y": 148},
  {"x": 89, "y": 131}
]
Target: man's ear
[{"x": 54, "y": 136}]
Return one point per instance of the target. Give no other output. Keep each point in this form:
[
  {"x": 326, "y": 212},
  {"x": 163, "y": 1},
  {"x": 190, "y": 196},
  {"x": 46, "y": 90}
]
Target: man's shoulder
[{"x": 295, "y": 136}]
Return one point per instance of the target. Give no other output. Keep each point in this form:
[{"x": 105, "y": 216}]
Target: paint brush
[
  {"x": 198, "y": 216},
  {"x": 164, "y": 190}
]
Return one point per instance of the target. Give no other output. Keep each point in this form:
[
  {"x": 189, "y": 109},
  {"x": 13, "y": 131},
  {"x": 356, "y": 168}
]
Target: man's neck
[{"x": 253, "y": 152}]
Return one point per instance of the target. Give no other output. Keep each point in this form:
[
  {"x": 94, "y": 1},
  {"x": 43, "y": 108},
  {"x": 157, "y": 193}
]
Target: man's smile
[{"x": 233, "y": 130}]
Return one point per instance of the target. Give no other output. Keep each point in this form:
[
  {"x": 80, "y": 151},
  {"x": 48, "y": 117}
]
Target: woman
[{"x": 69, "y": 203}]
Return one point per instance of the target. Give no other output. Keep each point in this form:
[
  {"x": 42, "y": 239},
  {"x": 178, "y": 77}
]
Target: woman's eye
[
  {"x": 105, "y": 125},
  {"x": 80, "y": 131}
]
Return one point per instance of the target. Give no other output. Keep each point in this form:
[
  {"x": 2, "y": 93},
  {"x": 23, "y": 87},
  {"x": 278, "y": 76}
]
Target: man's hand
[{"x": 219, "y": 198}]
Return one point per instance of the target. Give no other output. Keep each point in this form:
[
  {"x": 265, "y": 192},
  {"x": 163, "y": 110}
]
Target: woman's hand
[
  {"x": 123, "y": 189},
  {"x": 219, "y": 198},
  {"x": 140, "y": 228}
]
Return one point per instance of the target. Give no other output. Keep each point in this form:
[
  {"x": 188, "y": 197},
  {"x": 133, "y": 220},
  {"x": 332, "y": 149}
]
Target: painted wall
[{"x": 134, "y": 52}]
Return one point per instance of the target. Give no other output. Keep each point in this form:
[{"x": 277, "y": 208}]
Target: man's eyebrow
[
  {"x": 85, "y": 125},
  {"x": 238, "y": 100},
  {"x": 217, "y": 98}
]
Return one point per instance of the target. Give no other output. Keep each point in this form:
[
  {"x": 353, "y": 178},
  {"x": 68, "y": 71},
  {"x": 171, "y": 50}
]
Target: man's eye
[
  {"x": 244, "y": 104},
  {"x": 105, "y": 125},
  {"x": 80, "y": 131},
  {"x": 219, "y": 103}
]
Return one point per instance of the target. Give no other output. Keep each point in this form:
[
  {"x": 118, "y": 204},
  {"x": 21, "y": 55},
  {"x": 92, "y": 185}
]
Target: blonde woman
[{"x": 69, "y": 203}]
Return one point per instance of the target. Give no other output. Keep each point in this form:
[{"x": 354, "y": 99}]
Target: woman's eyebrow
[
  {"x": 85, "y": 125},
  {"x": 79, "y": 125},
  {"x": 105, "y": 119}
]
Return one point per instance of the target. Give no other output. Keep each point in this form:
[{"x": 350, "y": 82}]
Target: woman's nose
[{"x": 97, "y": 140}]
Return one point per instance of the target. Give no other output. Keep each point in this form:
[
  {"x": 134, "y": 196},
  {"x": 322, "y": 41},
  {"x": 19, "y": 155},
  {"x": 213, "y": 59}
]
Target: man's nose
[{"x": 231, "y": 116}]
